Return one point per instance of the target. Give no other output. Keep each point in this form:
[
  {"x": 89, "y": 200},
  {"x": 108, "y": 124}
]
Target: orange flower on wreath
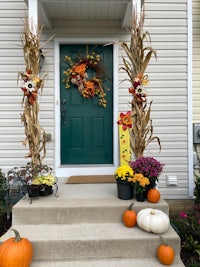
[
  {"x": 89, "y": 89},
  {"x": 125, "y": 120},
  {"x": 80, "y": 69}
]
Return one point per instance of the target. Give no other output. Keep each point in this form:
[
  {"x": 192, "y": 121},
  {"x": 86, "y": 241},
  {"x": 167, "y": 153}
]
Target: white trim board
[
  {"x": 190, "y": 128},
  {"x": 68, "y": 170}
]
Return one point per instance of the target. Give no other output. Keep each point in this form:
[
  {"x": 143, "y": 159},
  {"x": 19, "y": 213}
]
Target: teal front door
[{"x": 86, "y": 128}]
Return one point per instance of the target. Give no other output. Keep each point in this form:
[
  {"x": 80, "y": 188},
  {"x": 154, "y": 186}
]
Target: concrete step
[
  {"x": 93, "y": 241},
  {"x": 92, "y": 203},
  {"x": 82, "y": 227},
  {"x": 59, "y": 211},
  {"x": 117, "y": 262}
]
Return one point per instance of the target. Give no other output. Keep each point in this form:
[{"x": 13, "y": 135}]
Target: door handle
[
  {"x": 63, "y": 116},
  {"x": 63, "y": 101}
]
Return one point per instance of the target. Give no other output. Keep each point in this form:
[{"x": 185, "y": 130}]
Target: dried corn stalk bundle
[
  {"x": 141, "y": 134},
  {"x": 32, "y": 84},
  {"x": 135, "y": 63}
]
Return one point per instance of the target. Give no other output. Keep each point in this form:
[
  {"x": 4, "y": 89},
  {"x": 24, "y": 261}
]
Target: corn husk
[
  {"x": 138, "y": 55},
  {"x": 141, "y": 133},
  {"x": 35, "y": 134},
  {"x": 136, "y": 61}
]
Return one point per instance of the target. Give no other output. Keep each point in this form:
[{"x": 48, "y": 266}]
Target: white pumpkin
[{"x": 153, "y": 220}]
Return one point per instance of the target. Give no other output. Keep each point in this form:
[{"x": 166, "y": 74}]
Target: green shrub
[
  {"x": 197, "y": 189},
  {"x": 2, "y": 200},
  {"x": 187, "y": 226}
]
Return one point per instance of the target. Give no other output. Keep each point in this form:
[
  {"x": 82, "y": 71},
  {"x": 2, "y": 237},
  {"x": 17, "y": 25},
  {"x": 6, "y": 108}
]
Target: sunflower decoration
[
  {"x": 77, "y": 74},
  {"x": 31, "y": 85},
  {"x": 125, "y": 120}
]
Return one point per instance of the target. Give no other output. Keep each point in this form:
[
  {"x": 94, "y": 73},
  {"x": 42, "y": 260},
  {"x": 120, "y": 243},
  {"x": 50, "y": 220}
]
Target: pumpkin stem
[
  {"x": 131, "y": 206},
  {"x": 152, "y": 212},
  {"x": 163, "y": 240},
  {"x": 17, "y": 235}
]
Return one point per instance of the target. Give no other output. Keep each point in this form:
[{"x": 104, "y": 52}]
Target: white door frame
[{"x": 68, "y": 170}]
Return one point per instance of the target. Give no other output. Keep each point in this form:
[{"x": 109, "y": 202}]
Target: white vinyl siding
[
  {"x": 168, "y": 89},
  {"x": 196, "y": 61},
  {"x": 11, "y": 61},
  {"x": 167, "y": 23},
  {"x": 12, "y": 152}
]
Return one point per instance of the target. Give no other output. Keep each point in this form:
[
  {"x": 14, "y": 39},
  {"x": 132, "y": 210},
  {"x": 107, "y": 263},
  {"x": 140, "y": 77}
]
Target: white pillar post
[
  {"x": 136, "y": 4},
  {"x": 33, "y": 14}
]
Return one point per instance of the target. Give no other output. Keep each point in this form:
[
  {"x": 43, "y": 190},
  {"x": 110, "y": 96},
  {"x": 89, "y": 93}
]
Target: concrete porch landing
[{"x": 82, "y": 227}]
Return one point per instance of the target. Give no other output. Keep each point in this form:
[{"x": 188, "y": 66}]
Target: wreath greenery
[{"x": 77, "y": 74}]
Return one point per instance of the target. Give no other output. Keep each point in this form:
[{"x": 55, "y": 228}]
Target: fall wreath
[{"x": 77, "y": 74}]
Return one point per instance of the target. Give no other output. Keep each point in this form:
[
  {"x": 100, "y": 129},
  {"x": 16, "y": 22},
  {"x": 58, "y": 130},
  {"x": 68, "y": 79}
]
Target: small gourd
[
  {"x": 165, "y": 254},
  {"x": 153, "y": 220},
  {"x": 16, "y": 252},
  {"x": 153, "y": 195},
  {"x": 129, "y": 216}
]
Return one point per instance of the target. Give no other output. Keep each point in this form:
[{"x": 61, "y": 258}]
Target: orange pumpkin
[
  {"x": 16, "y": 252},
  {"x": 153, "y": 195},
  {"x": 165, "y": 254},
  {"x": 129, "y": 217}
]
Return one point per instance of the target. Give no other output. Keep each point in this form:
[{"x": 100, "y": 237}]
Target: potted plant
[
  {"x": 40, "y": 180},
  {"x": 124, "y": 178},
  {"x": 45, "y": 183},
  {"x": 149, "y": 167},
  {"x": 140, "y": 182},
  {"x": 36, "y": 180}
]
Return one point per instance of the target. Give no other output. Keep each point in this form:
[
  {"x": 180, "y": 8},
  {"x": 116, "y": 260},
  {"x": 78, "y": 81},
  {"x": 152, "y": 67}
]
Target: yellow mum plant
[
  {"x": 124, "y": 173},
  {"x": 44, "y": 180}
]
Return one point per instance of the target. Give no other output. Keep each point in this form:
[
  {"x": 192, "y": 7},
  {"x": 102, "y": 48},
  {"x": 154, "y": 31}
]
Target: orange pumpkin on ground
[
  {"x": 165, "y": 254},
  {"x": 129, "y": 217},
  {"x": 16, "y": 252},
  {"x": 153, "y": 195}
]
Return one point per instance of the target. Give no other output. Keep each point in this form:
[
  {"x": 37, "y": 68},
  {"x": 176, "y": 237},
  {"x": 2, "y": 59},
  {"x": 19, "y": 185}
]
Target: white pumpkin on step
[{"x": 153, "y": 220}]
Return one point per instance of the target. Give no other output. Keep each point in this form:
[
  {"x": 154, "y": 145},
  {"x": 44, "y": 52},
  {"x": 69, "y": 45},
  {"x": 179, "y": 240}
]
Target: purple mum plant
[{"x": 148, "y": 166}]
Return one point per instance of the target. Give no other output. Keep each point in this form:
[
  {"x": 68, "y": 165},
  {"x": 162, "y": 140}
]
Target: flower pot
[
  {"x": 125, "y": 191},
  {"x": 33, "y": 190},
  {"x": 45, "y": 190},
  {"x": 140, "y": 196}
]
